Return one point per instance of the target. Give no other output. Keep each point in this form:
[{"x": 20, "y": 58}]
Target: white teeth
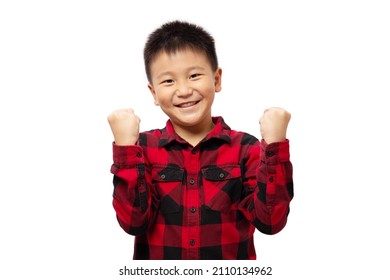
[{"x": 187, "y": 104}]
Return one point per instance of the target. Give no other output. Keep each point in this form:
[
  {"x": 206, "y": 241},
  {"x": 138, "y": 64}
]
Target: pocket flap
[
  {"x": 167, "y": 174},
  {"x": 216, "y": 173}
]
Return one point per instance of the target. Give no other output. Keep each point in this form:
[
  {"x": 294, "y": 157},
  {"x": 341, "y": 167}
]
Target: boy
[{"x": 196, "y": 189}]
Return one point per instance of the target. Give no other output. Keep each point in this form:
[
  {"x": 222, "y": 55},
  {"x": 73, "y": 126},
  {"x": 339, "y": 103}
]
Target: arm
[
  {"x": 269, "y": 180},
  {"x": 132, "y": 196}
]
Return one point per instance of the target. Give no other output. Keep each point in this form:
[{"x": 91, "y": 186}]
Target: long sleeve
[
  {"x": 202, "y": 202},
  {"x": 134, "y": 200},
  {"x": 270, "y": 186}
]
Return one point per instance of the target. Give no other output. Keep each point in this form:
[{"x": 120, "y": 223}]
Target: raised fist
[
  {"x": 273, "y": 124},
  {"x": 125, "y": 126}
]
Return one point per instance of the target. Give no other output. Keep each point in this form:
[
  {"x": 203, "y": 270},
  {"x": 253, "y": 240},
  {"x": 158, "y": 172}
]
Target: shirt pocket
[
  {"x": 168, "y": 181},
  {"x": 222, "y": 186}
]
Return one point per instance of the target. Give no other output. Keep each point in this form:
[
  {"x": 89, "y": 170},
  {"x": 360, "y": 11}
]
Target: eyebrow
[{"x": 188, "y": 70}]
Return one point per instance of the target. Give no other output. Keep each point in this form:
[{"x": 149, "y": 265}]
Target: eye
[
  {"x": 167, "y": 82},
  {"x": 194, "y": 76}
]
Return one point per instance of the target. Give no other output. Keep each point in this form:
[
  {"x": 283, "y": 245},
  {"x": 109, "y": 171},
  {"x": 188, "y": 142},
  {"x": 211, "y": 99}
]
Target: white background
[{"x": 65, "y": 65}]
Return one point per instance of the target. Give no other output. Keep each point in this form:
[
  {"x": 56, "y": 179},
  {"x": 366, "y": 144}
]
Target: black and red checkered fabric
[{"x": 203, "y": 202}]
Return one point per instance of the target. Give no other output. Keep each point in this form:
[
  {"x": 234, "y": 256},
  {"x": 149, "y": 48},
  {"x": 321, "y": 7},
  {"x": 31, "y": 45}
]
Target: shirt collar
[{"x": 220, "y": 131}]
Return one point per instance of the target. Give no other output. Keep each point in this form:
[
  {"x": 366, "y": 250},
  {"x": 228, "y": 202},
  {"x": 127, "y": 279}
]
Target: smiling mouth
[{"x": 187, "y": 104}]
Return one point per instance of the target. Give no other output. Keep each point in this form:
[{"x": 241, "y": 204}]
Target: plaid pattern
[{"x": 203, "y": 202}]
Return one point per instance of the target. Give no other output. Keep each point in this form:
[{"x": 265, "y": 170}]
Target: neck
[{"x": 194, "y": 134}]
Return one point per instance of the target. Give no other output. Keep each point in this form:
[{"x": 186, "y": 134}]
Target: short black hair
[{"x": 179, "y": 35}]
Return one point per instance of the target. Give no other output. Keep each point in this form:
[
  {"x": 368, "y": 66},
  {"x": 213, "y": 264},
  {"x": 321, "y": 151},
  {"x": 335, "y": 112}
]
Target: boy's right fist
[{"x": 125, "y": 126}]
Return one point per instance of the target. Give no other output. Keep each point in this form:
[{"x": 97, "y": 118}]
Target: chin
[{"x": 187, "y": 121}]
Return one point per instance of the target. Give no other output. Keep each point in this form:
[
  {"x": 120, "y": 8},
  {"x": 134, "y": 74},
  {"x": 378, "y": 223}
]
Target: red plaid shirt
[{"x": 203, "y": 202}]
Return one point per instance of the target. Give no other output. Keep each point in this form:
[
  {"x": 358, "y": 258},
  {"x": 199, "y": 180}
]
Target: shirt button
[
  {"x": 192, "y": 209},
  {"x": 139, "y": 155},
  {"x": 192, "y": 242},
  {"x": 270, "y": 154},
  {"x": 192, "y": 181},
  {"x": 221, "y": 175},
  {"x": 162, "y": 176},
  {"x": 271, "y": 179}
]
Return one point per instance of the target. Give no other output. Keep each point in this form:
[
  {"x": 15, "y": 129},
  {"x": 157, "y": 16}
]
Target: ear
[
  {"x": 218, "y": 80},
  {"x": 150, "y": 86}
]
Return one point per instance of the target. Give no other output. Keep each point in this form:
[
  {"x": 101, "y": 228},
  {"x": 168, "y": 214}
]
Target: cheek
[
  {"x": 209, "y": 92},
  {"x": 162, "y": 99}
]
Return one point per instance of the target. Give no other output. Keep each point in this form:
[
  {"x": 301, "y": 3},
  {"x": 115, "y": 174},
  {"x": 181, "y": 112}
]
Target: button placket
[{"x": 192, "y": 165}]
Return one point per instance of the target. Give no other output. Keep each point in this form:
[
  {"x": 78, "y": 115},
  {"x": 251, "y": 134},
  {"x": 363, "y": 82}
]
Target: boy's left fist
[{"x": 273, "y": 124}]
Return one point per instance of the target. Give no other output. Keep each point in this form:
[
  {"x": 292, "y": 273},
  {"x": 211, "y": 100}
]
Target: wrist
[
  {"x": 270, "y": 140},
  {"x": 125, "y": 141}
]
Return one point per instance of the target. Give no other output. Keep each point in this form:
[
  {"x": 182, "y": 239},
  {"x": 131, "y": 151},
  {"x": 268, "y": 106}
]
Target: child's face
[{"x": 183, "y": 84}]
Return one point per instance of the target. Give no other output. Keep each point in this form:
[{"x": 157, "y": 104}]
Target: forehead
[{"x": 178, "y": 60}]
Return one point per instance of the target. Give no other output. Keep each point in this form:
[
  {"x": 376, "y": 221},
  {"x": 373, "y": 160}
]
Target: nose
[{"x": 183, "y": 89}]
